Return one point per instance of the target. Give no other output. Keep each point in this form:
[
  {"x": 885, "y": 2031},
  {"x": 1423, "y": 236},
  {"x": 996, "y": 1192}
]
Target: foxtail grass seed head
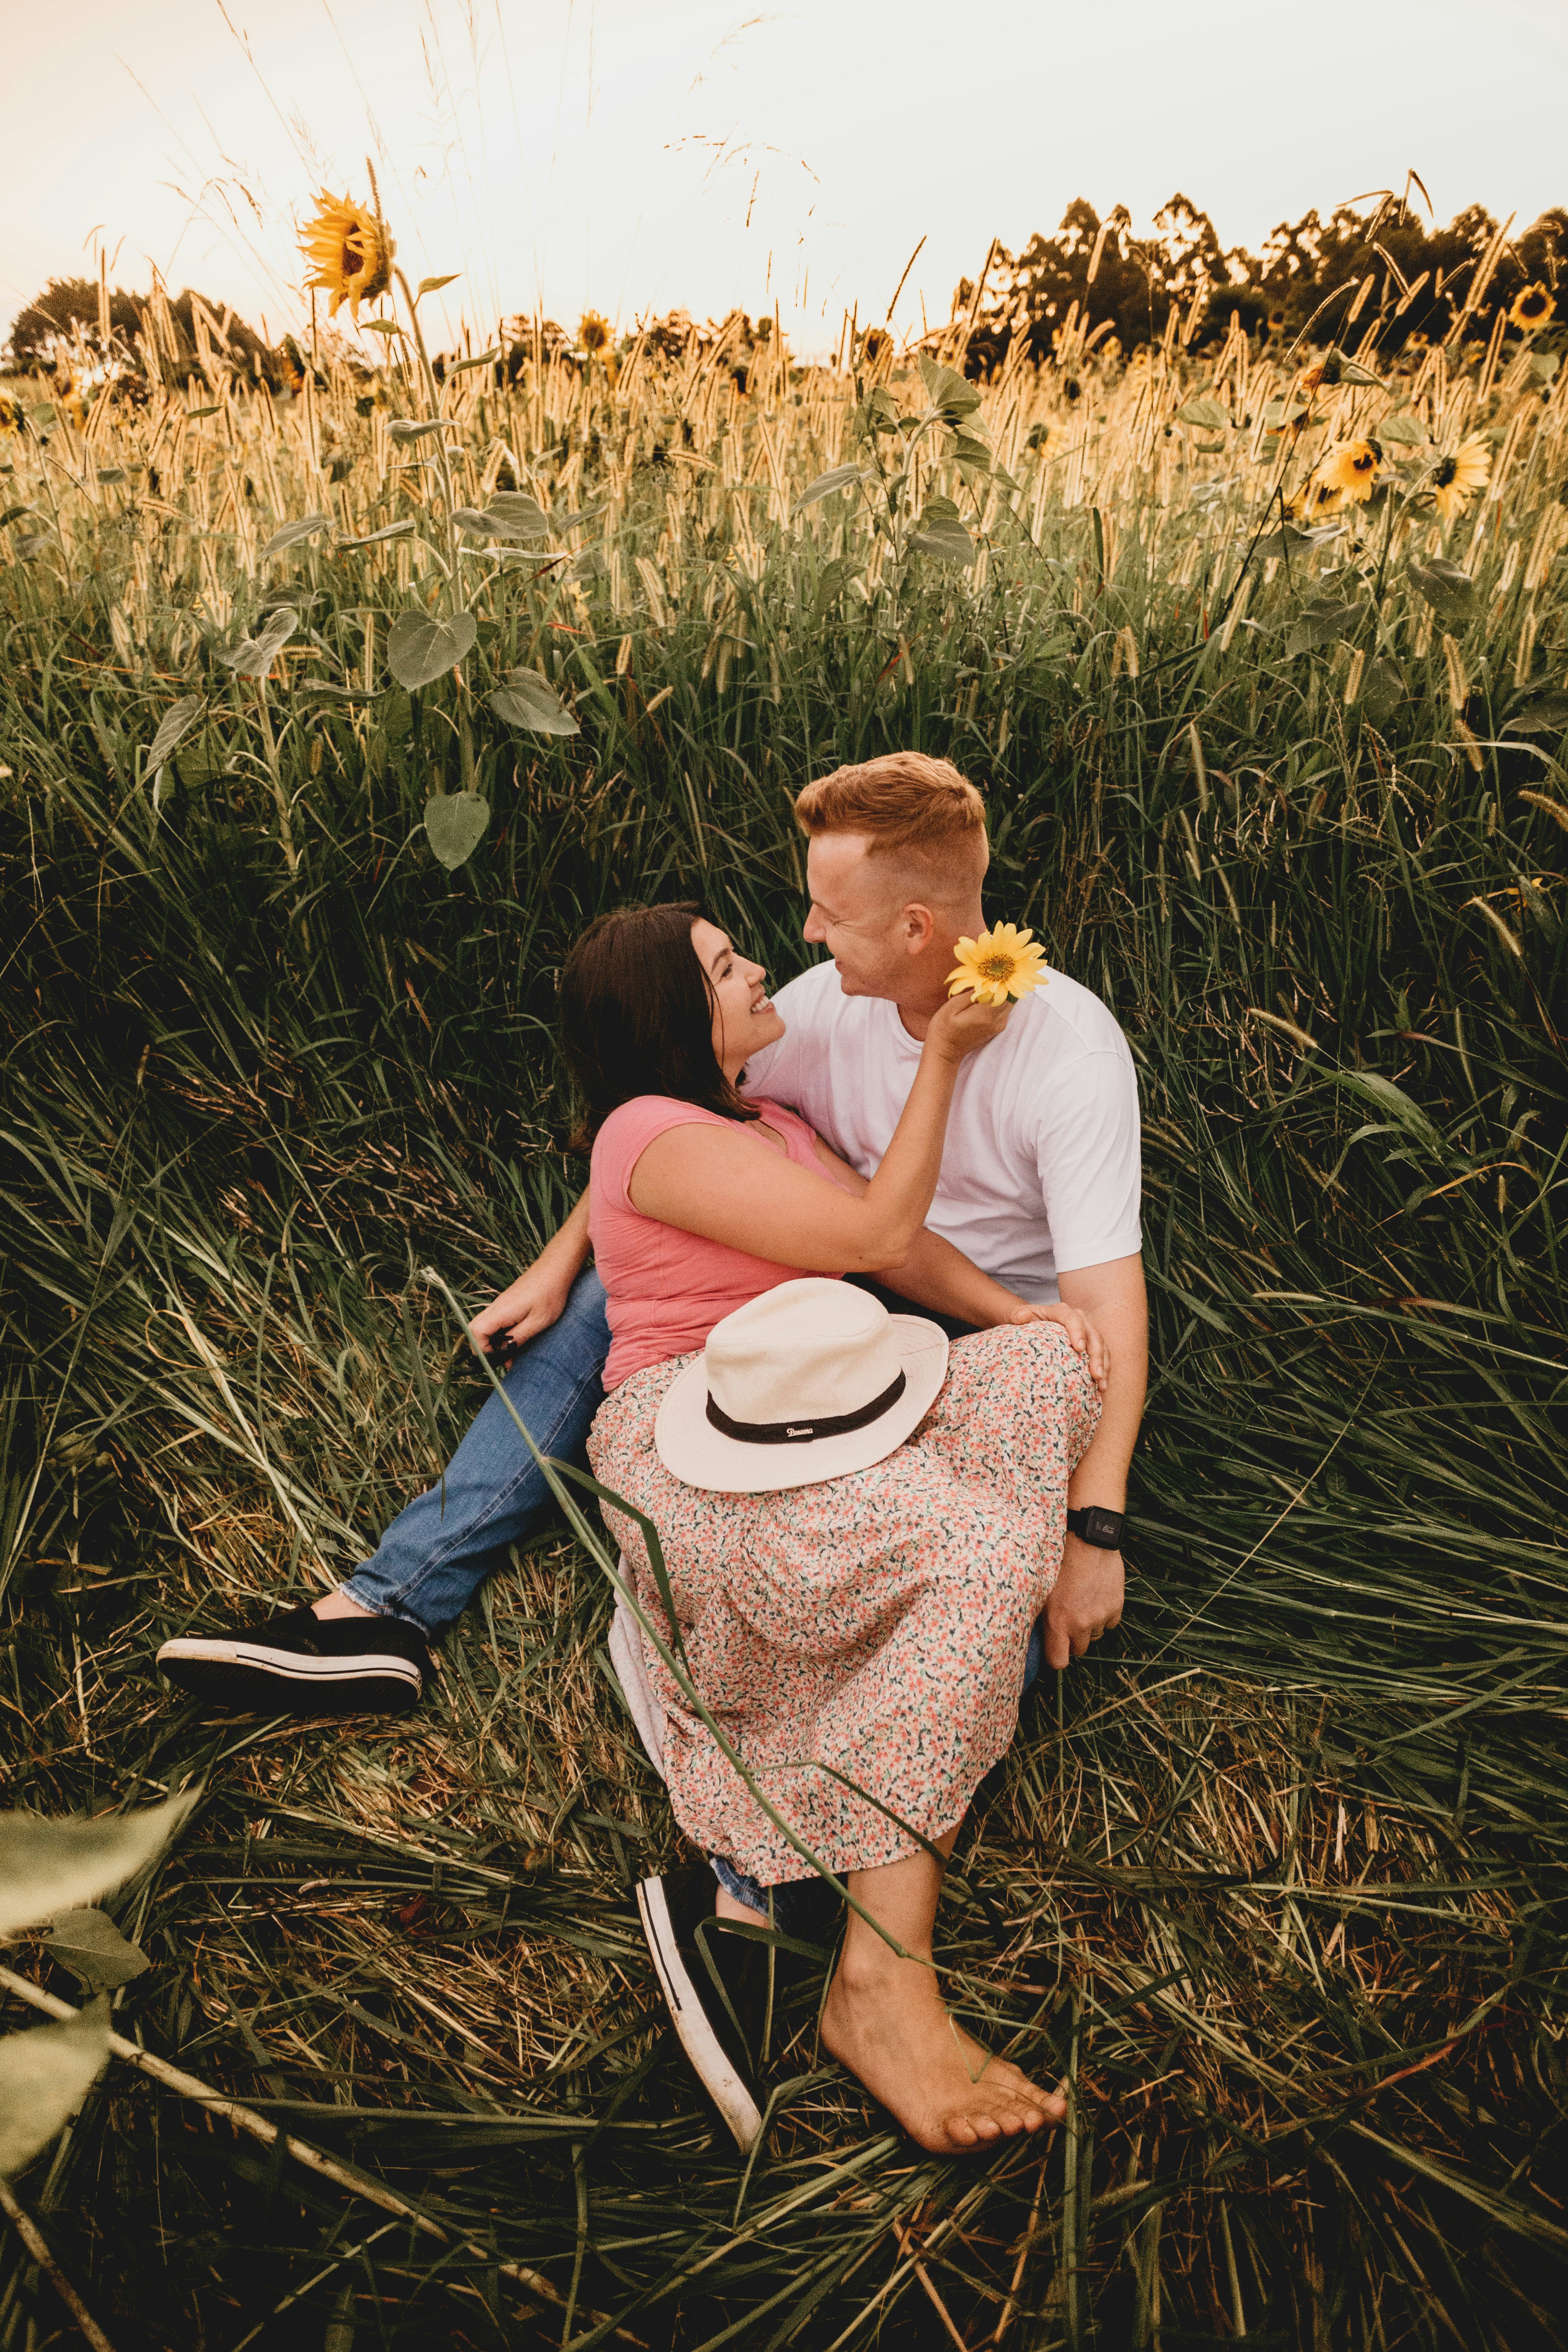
[
  {"x": 1458, "y": 684},
  {"x": 352, "y": 253},
  {"x": 1001, "y": 962}
]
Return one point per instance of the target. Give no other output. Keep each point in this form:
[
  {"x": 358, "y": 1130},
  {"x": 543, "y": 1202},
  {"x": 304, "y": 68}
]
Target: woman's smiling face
[{"x": 744, "y": 1017}]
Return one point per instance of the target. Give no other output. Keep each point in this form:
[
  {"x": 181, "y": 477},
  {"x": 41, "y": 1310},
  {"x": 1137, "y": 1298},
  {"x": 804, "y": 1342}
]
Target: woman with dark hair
[{"x": 860, "y": 1524}]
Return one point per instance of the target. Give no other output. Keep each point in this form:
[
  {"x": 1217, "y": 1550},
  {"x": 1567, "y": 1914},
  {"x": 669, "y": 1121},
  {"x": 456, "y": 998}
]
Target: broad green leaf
[
  {"x": 434, "y": 285},
  {"x": 388, "y": 531},
  {"x": 941, "y": 534},
  {"x": 1407, "y": 430},
  {"x": 969, "y": 451},
  {"x": 525, "y": 700},
  {"x": 1443, "y": 585},
  {"x": 513, "y": 514},
  {"x": 1541, "y": 714},
  {"x": 14, "y": 514},
  {"x": 1277, "y": 413},
  {"x": 290, "y": 534},
  {"x": 384, "y": 327},
  {"x": 173, "y": 726},
  {"x": 416, "y": 428},
  {"x": 838, "y": 478},
  {"x": 254, "y": 656},
  {"x": 47, "y": 1867},
  {"x": 1319, "y": 624},
  {"x": 420, "y": 647},
  {"x": 90, "y": 1945},
  {"x": 1382, "y": 691},
  {"x": 1207, "y": 412},
  {"x": 191, "y": 414},
  {"x": 461, "y": 367},
  {"x": 1352, "y": 372},
  {"x": 44, "y": 2075},
  {"x": 456, "y": 822},
  {"x": 1543, "y": 365},
  {"x": 949, "y": 391},
  {"x": 325, "y": 692},
  {"x": 112, "y": 473}
]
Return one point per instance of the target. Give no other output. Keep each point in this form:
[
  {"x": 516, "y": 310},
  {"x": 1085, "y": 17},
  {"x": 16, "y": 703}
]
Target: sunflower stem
[{"x": 433, "y": 395}]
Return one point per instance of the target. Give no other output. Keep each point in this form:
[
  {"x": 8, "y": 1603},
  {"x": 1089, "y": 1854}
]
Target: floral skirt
[{"x": 868, "y": 1631}]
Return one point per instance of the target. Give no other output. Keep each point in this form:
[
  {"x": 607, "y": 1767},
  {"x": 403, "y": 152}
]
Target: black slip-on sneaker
[
  {"x": 300, "y": 1664},
  {"x": 717, "y": 1987}
]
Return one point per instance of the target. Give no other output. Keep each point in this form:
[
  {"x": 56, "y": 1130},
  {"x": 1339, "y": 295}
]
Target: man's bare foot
[{"x": 886, "y": 2023}]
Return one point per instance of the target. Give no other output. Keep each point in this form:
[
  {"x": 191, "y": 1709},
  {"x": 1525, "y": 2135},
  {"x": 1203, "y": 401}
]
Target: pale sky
[{"x": 637, "y": 154}]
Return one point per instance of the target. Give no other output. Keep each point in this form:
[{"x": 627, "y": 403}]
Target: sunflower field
[{"x": 326, "y": 721}]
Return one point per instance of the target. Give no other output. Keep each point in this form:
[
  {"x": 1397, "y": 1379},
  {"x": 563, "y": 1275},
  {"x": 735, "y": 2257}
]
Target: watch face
[{"x": 1102, "y": 1528}]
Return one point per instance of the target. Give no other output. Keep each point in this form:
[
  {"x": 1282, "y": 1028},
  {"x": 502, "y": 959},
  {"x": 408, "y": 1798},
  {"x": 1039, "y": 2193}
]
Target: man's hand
[
  {"x": 1086, "y": 1601},
  {"x": 1082, "y": 1336}
]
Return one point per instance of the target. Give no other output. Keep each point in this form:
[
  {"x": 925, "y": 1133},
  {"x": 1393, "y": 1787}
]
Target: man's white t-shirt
[{"x": 1040, "y": 1172}]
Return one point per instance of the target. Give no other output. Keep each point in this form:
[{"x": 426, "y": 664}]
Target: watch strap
[{"x": 1102, "y": 1528}]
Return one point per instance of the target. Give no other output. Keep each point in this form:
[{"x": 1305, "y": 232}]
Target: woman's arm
[
  {"x": 721, "y": 1183},
  {"x": 537, "y": 1297},
  {"x": 937, "y": 1274}
]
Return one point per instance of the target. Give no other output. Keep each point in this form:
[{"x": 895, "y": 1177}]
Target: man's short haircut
[{"x": 905, "y": 802}]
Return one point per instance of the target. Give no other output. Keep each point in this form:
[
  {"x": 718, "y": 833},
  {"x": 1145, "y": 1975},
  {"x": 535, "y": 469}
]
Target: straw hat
[{"x": 811, "y": 1381}]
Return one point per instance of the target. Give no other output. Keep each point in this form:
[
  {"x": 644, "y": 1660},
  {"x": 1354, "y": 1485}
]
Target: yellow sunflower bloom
[
  {"x": 1456, "y": 475},
  {"x": 1001, "y": 962},
  {"x": 594, "y": 335},
  {"x": 351, "y": 250},
  {"x": 1531, "y": 309},
  {"x": 1351, "y": 470}
]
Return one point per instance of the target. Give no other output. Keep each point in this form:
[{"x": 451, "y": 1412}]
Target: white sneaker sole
[
  {"x": 688, "y": 2015},
  {"x": 225, "y": 1666}
]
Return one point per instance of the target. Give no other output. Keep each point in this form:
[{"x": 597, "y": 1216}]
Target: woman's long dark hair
[{"x": 637, "y": 1017}]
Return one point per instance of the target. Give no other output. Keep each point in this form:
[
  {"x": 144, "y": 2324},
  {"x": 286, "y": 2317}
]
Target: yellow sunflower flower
[
  {"x": 1458, "y": 473},
  {"x": 1350, "y": 469},
  {"x": 594, "y": 335},
  {"x": 352, "y": 251},
  {"x": 1001, "y": 962},
  {"x": 1531, "y": 309}
]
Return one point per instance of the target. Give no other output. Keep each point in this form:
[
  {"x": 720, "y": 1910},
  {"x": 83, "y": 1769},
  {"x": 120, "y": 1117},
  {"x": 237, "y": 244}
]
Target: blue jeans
[{"x": 436, "y": 1554}]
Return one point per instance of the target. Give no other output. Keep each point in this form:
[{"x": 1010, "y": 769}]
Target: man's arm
[
  {"x": 1086, "y": 1599},
  {"x": 537, "y": 1297}
]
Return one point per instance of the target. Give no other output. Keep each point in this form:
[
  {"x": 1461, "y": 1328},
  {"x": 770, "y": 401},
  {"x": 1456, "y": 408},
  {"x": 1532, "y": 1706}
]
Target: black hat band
[{"x": 804, "y": 1432}]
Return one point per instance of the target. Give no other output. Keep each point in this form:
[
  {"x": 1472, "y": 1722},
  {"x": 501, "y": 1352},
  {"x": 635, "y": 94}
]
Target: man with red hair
[{"x": 1040, "y": 1178}]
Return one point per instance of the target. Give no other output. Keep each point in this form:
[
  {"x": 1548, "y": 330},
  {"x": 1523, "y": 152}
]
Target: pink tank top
[{"x": 666, "y": 1288}]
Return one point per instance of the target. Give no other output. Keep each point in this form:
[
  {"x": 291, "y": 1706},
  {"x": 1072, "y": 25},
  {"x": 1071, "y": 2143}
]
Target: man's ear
[{"x": 919, "y": 929}]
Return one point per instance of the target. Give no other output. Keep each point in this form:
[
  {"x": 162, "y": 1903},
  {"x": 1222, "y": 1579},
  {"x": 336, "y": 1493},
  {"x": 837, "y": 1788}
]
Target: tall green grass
[{"x": 1275, "y": 1878}]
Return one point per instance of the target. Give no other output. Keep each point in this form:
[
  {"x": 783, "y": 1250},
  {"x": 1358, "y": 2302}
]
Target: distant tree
[
  {"x": 1311, "y": 274},
  {"x": 67, "y": 313}
]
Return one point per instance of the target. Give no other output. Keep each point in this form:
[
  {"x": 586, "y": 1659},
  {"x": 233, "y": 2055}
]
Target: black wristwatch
[{"x": 1103, "y": 1529}]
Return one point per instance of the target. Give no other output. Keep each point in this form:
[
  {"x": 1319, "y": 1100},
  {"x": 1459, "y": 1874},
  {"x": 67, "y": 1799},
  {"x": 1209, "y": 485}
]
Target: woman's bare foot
[{"x": 885, "y": 2022}]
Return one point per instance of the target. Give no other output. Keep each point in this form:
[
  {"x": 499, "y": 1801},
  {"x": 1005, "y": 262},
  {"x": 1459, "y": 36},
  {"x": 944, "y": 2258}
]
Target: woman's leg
[{"x": 884, "y": 2020}]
